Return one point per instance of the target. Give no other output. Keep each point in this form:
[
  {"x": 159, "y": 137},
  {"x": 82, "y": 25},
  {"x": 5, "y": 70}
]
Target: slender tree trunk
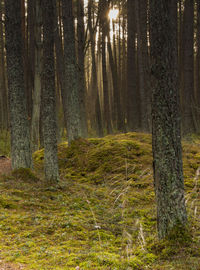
[
  {"x": 188, "y": 66},
  {"x": 133, "y": 100},
  {"x": 3, "y": 85},
  {"x": 81, "y": 64},
  {"x": 20, "y": 134},
  {"x": 166, "y": 134},
  {"x": 35, "y": 120},
  {"x": 141, "y": 24},
  {"x": 94, "y": 82},
  {"x": 49, "y": 95},
  {"x": 197, "y": 103},
  {"x": 74, "y": 127}
]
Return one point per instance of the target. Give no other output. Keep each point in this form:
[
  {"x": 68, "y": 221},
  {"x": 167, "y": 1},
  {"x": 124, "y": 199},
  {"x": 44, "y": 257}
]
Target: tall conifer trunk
[
  {"x": 48, "y": 95},
  {"x": 72, "y": 76},
  {"x": 20, "y": 133},
  {"x": 166, "y": 135}
]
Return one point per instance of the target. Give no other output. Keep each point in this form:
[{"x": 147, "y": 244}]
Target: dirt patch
[
  {"x": 10, "y": 266},
  {"x": 5, "y": 165}
]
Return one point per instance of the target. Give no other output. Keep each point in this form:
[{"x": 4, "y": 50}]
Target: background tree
[{"x": 72, "y": 76}]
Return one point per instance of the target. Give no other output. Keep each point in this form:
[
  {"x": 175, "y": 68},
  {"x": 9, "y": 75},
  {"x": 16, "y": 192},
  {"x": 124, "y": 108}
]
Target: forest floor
[{"x": 101, "y": 216}]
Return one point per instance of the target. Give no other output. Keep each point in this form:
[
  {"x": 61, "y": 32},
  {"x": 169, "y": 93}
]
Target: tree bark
[
  {"x": 48, "y": 95},
  {"x": 20, "y": 134},
  {"x": 35, "y": 120},
  {"x": 166, "y": 134}
]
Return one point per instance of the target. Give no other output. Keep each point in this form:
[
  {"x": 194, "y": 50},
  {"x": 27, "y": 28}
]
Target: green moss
[
  {"x": 103, "y": 214},
  {"x": 24, "y": 174}
]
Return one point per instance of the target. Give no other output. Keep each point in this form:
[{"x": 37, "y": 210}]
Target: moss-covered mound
[{"x": 102, "y": 215}]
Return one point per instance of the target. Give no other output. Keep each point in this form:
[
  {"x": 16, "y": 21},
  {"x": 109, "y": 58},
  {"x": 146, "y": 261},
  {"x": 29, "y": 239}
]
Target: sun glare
[{"x": 113, "y": 14}]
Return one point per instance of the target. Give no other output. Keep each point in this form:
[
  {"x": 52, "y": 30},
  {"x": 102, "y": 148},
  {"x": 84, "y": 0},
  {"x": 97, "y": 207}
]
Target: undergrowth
[{"x": 102, "y": 215}]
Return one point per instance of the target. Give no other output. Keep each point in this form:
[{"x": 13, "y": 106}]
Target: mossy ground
[{"x": 102, "y": 215}]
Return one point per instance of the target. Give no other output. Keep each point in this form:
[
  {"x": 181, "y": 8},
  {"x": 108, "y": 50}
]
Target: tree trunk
[
  {"x": 48, "y": 95},
  {"x": 166, "y": 135},
  {"x": 132, "y": 99},
  {"x": 141, "y": 24},
  {"x": 72, "y": 84},
  {"x": 94, "y": 83},
  {"x": 197, "y": 103},
  {"x": 20, "y": 134},
  {"x": 35, "y": 120},
  {"x": 188, "y": 66},
  {"x": 3, "y": 84},
  {"x": 81, "y": 64}
]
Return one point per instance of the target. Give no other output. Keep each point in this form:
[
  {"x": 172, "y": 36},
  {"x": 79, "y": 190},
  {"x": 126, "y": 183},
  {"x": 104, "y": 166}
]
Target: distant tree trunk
[
  {"x": 37, "y": 76},
  {"x": 141, "y": 24},
  {"x": 20, "y": 134},
  {"x": 133, "y": 100},
  {"x": 81, "y": 64},
  {"x": 60, "y": 61},
  {"x": 74, "y": 126},
  {"x": 116, "y": 89},
  {"x": 106, "y": 100},
  {"x": 166, "y": 135},
  {"x": 94, "y": 83},
  {"x": 48, "y": 95},
  {"x": 188, "y": 66}
]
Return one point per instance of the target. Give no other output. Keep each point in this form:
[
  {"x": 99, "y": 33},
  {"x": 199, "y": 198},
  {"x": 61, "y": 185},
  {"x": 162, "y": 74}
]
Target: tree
[
  {"x": 72, "y": 76},
  {"x": 188, "y": 67},
  {"x": 133, "y": 117},
  {"x": 81, "y": 64},
  {"x": 166, "y": 135},
  {"x": 48, "y": 94},
  {"x": 37, "y": 70},
  {"x": 20, "y": 134}
]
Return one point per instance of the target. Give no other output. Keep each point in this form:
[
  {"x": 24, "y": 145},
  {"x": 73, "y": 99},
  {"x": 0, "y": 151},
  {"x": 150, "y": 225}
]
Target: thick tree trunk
[
  {"x": 166, "y": 135},
  {"x": 20, "y": 134},
  {"x": 48, "y": 95}
]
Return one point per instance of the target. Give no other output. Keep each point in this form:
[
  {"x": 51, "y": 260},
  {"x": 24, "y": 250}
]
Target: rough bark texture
[
  {"x": 3, "y": 85},
  {"x": 72, "y": 84},
  {"x": 48, "y": 95},
  {"x": 20, "y": 134},
  {"x": 167, "y": 153}
]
